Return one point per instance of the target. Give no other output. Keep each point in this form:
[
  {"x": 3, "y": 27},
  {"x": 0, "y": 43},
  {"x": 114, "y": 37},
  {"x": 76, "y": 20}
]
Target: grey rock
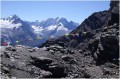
[
  {"x": 92, "y": 72},
  {"x": 5, "y": 69},
  {"x": 42, "y": 60},
  {"x": 6, "y": 54},
  {"x": 11, "y": 48},
  {"x": 45, "y": 74},
  {"x": 69, "y": 59},
  {"x": 57, "y": 71},
  {"x": 31, "y": 50}
]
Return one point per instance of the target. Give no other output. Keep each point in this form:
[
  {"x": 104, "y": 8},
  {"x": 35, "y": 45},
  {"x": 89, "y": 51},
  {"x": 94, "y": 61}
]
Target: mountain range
[
  {"x": 26, "y": 32},
  {"x": 55, "y": 27}
]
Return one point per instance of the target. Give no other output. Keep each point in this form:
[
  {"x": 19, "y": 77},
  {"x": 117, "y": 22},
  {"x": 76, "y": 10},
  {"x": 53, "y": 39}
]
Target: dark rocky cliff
[{"x": 93, "y": 22}]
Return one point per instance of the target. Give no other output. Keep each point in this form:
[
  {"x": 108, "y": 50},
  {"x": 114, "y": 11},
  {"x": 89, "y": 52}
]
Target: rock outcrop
[
  {"x": 95, "y": 21},
  {"x": 114, "y": 10}
]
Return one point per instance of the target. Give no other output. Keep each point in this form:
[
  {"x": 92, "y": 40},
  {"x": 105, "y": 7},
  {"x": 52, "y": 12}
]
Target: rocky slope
[
  {"x": 95, "y": 21},
  {"x": 92, "y": 54}
]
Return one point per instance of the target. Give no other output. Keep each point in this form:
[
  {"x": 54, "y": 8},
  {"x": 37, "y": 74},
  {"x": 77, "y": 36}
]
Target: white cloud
[{"x": 8, "y": 24}]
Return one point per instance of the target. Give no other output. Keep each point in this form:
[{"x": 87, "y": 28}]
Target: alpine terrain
[
  {"x": 91, "y": 50},
  {"x": 17, "y": 31}
]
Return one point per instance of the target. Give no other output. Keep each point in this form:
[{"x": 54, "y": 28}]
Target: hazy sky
[{"x": 40, "y": 10}]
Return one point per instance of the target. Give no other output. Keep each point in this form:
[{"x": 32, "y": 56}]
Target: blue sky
[{"x": 40, "y": 10}]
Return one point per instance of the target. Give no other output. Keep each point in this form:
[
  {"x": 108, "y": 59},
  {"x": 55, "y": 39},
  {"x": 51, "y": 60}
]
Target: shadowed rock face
[
  {"x": 114, "y": 10},
  {"x": 93, "y": 54},
  {"x": 95, "y": 21}
]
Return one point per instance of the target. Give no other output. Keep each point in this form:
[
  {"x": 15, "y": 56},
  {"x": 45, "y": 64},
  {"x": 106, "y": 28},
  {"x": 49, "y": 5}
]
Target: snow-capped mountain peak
[
  {"x": 53, "y": 26},
  {"x": 13, "y": 19},
  {"x": 9, "y": 24}
]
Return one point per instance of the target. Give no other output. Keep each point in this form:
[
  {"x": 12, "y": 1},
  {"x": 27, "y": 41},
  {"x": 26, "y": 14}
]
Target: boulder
[
  {"x": 47, "y": 49},
  {"x": 57, "y": 71},
  {"x": 5, "y": 69},
  {"x": 110, "y": 46},
  {"x": 74, "y": 76},
  {"x": 105, "y": 48},
  {"x": 61, "y": 44},
  {"x": 69, "y": 59},
  {"x": 66, "y": 57},
  {"x": 41, "y": 60},
  {"x": 6, "y": 54},
  {"x": 70, "y": 51},
  {"x": 16, "y": 57},
  {"x": 80, "y": 51},
  {"x": 92, "y": 72},
  {"x": 52, "y": 51},
  {"x": 86, "y": 53},
  {"x": 45, "y": 74},
  {"x": 106, "y": 71},
  {"x": 62, "y": 51},
  {"x": 31, "y": 50},
  {"x": 11, "y": 48}
]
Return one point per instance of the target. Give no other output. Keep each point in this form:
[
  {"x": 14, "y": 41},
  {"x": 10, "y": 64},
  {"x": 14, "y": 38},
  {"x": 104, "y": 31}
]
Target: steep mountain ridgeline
[
  {"x": 95, "y": 21},
  {"x": 97, "y": 35}
]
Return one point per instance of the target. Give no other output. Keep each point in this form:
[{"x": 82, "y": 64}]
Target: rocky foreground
[
  {"x": 94, "y": 54},
  {"x": 54, "y": 61}
]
